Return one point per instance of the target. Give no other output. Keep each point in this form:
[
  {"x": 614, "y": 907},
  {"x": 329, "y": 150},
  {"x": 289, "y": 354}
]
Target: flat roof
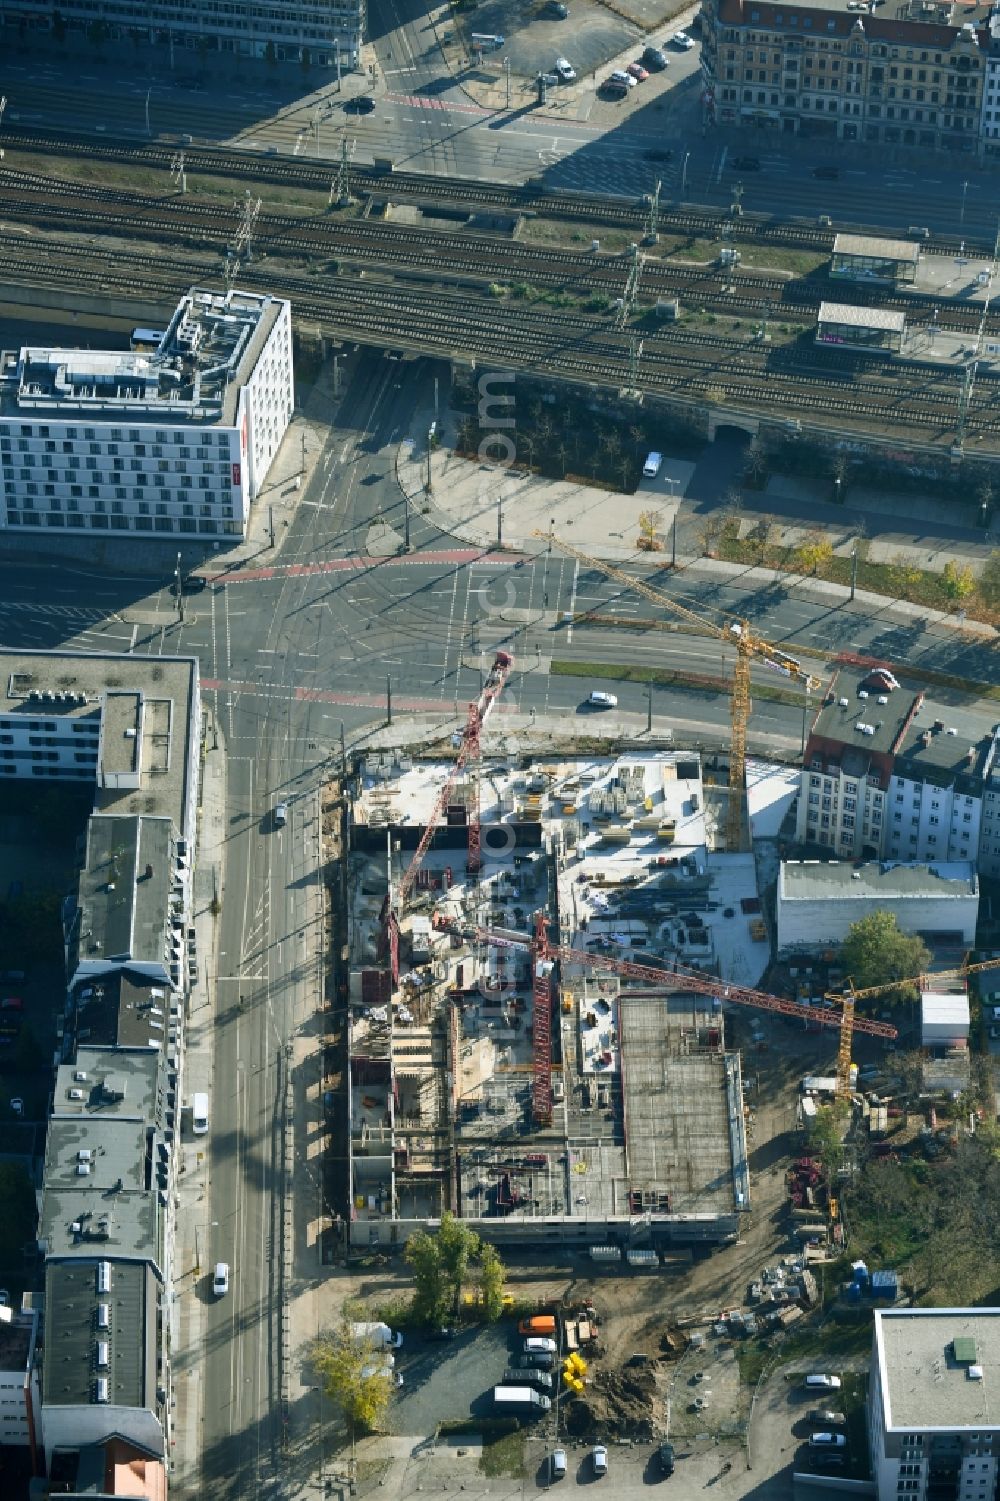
[
  {"x": 124, "y": 890},
  {"x": 948, "y": 1007},
  {"x": 861, "y": 317},
  {"x": 806, "y": 880},
  {"x": 56, "y": 685},
  {"x": 121, "y": 1009},
  {"x": 72, "y": 1301},
  {"x": 683, "y": 1110},
  {"x": 195, "y": 375},
  {"x": 923, "y": 1386},
  {"x": 123, "y": 1083},
  {"x": 873, "y": 247},
  {"x": 95, "y": 1153}
]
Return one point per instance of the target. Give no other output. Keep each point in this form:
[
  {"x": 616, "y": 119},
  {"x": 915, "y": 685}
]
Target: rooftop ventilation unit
[
  {"x": 103, "y": 1354},
  {"x": 975, "y": 1373},
  {"x": 104, "y": 1315},
  {"x": 842, "y": 702},
  {"x": 862, "y": 693},
  {"x": 103, "y": 1389},
  {"x": 76, "y": 1094},
  {"x": 80, "y": 1076},
  {"x": 84, "y": 1154},
  {"x": 104, "y": 1276},
  {"x": 83, "y": 1170}
]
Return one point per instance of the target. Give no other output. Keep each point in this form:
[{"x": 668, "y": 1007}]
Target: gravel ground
[{"x": 448, "y": 1380}]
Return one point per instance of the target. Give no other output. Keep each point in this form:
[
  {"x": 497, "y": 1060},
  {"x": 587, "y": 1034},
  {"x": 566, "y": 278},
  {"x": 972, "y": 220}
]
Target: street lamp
[
  {"x": 180, "y": 589},
  {"x": 148, "y": 92},
  {"x": 684, "y": 173},
  {"x": 961, "y": 217}
]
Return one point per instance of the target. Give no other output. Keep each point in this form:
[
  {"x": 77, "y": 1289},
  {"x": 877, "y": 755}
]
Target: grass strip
[{"x": 668, "y": 677}]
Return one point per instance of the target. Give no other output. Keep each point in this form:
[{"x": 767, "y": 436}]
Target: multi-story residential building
[
  {"x": 168, "y": 443},
  {"x": 841, "y": 70},
  {"x": 891, "y": 774},
  {"x": 318, "y": 32},
  {"x": 932, "y": 1422},
  {"x": 108, "y": 1196},
  {"x": 990, "y": 126}
]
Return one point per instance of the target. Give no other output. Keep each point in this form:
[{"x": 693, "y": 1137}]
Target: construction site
[{"x": 543, "y": 965}]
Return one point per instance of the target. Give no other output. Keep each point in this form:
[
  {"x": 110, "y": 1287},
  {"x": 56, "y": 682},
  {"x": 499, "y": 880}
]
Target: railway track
[
  {"x": 243, "y": 164},
  {"x": 570, "y": 345},
  {"x": 490, "y": 259}
]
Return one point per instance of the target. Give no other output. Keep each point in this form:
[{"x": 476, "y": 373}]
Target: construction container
[
  {"x": 605, "y": 1253},
  {"x": 885, "y": 1285},
  {"x": 647, "y": 1259}
]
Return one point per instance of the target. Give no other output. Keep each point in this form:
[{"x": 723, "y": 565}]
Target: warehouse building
[
  {"x": 892, "y": 774},
  {"x": 933, "y": 1425},
  {"x": 818, "y": 900},
  {"x": 860, "y": 327},
  {"x": 868, "y": 258},
  {"x": 300, "y": 31},
  {"x": 167, "y": 444}
]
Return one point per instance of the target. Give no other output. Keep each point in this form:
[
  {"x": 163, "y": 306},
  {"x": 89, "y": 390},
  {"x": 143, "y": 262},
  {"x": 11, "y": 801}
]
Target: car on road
[
  {"x": 599, "y": 1459},
  {"x": 598, "y": 699},
  {"x": 682, "y": 40},
  {"x": 830, "y": 174},
  {"x": 824, "y": 1418},
  {"x": 827, "y": 1441},
  {"x": 821, "y": 1381},
  {"x": 746, "y": 163},
  {"x": 557, "y": 1464},
  {"x": 220, "y": 1281},
  {"x": 638, "y": 72},
  {"x": 665, "y": 1454},
  {"x": 361, "y": 104},
  {"x": 280, "y": 815},
  {"x": 192, "y": 583},
  {"x": 564, "y": 70},
  {"x": 651, "y": 468},
  {"x": 655, "y": 58}
]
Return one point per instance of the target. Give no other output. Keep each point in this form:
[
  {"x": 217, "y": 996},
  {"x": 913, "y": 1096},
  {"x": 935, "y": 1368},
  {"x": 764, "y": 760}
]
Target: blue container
[
  {"x": 885, "y": 1285},
  {"x": 853, "y": 1292},
  {"x": 859, "y": 1273}
]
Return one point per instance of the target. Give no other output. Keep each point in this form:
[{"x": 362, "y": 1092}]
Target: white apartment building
[
  {"x": 316, "y": 32},
  {"x": 893, "y": 775},
  {"x": 20, "y": 1394},
  {"x": 932, "y": 1421},
  {"x": 989, "y": 132},
  {"x": 167, "y": 444}
]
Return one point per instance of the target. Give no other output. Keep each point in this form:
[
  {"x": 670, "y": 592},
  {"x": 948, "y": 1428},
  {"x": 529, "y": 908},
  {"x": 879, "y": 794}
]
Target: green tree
[
  {"x": 430, "y": 1292},
  {"x": 458, "y": 1246},
  {"x": 354, "y": 1374},
  {"x": 814, "y": 554},
  {"x": 875, "y": 952},
  {"x": 492, "y": 1275},
  {"x": 826, "y": 1136},
  {"x": 989, "y": 580},
  {"x": 958, "y": 579}
]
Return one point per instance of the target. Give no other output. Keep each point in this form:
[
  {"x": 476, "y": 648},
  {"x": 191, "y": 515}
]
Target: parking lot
[{"x": 444, "y": 1381}]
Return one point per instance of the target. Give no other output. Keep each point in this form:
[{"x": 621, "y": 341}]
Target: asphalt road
[
  {"x": 287, "y": 656},
  {"x": 424, "y": 121}
]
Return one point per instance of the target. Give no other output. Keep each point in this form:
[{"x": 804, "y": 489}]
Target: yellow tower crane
[
  {"x": 847, "y": 1000},
  {"x": 749, "y": 647}
]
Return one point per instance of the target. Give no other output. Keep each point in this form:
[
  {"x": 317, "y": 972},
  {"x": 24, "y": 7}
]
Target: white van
[
  {"x": 602, "y": 700},
  {"x": 199, "y": 1115}
]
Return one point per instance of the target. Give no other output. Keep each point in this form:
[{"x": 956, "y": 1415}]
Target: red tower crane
[
  {"x": 469, "y": 752},
  {"x": 543, "y": 951}
]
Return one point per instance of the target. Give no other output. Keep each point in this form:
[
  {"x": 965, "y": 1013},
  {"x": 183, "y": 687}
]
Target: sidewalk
[
  {"x": 473, "y": 502},
  {"x": 193, "y": 1257}
]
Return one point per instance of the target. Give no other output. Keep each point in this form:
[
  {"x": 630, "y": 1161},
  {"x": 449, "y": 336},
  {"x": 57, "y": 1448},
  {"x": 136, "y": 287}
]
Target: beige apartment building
[{"x": 847, "y": 70}]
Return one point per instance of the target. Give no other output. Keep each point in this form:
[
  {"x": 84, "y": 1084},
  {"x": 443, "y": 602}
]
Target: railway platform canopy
[
  {"x": 866, "y": 258},
  {"x": 861, "y": 327}
]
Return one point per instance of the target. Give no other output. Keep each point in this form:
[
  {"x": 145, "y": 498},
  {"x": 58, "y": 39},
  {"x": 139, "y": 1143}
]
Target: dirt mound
[{"x": 620, "y": 1404}]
